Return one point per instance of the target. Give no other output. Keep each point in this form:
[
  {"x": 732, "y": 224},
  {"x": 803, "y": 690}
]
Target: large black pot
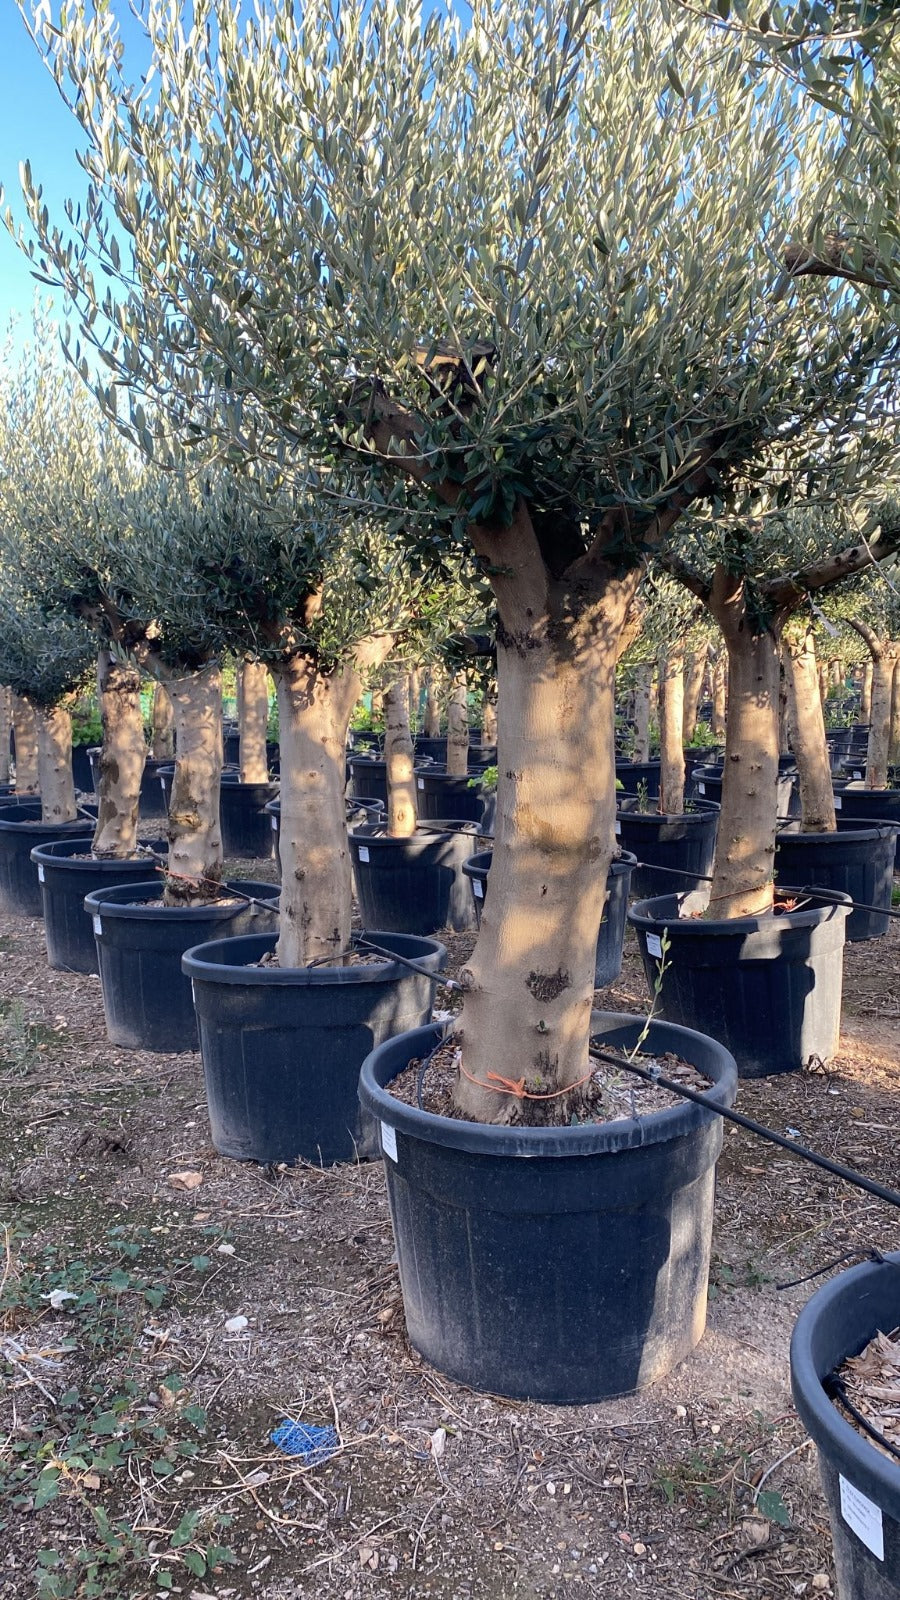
[
  {"x": 440, "y": 794},
  {"x": 368, "y": 778},
  {"x": 857, "y": 860},
  {"x": 21, "y": 829},
  {"x": 768, "y": 987},
  {"x": 282, "y": 1047},
  {"x": 140, "y": 943},
  {"x": 364, "y": 739},
  {"x": 66, "y": 873},
  {"x": 708, "y": 785},
  {"x": 683, "y": 847},
  {"x": 638, "y": 774},
  {"x": 245, "y": 823},
  {"x": 610, "y": 939},
  {"x": 870, "y": 806},
  {"x": 82, "y": 775},
  {"x": 414, "y": 885},
  {"x": 231, "y": 746},
  {"x": 862, "y": 1486},
  {"x": 562, "y": 1265}
]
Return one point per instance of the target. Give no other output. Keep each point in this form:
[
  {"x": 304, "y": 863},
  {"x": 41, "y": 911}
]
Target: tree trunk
[
  {"x": 642, "y": 692},
  {"x": 671, "y": 731},
  {"x": 121, "y": 759},
  {"x": 808, "y": 733},
  {"x": 414, "y": 682},
  {"x": 836, "y": 671},
  {"x": 720, "y": 694},
  {"x": 529, "y": 984},
  {"x": 162, "y": 740},
  {"x": 880, "y": 730},
  {"x": 316, "y": 897},
  {"x": 57, "y": 785},
  {"x": 458, "y": 728},
  {"x": 894, "y": 741},
  {"x": 254, "y": 722},
  {"x": 489, "y": 718},
  {"x": 432, "y": 728},
  {"x": 823, "y": 684},
  {"x": 743, "y": 875},
  {"x": 195, "y": 838},
  {"x": 865, "y": 702},
  {"x": 398, "y": 755},
  {"x": 783, "y": 709},
  {"x": 5, "y": 724},
  {"x": 25, "y": 728},
  {"x": 693, "y": 688}
]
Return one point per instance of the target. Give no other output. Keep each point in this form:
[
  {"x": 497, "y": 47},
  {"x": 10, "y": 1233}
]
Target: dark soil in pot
[
  {"x": 676, "y": 844},
  {"x": 140, "y": 943},
  {"x": 282, "y": 1048},
  {"x": 862, "y": 1486},
  {"x": 21, "y": 829},
  {"x": 857, "y": 861},
  {"x": 439, "y": 794},
  {"x": 610, "y": 939},
  {"x": 66, "y": 873},
  {"x": 768, "y": 987},
  {"x": 414, "y": 885},
  {"x": 246, "y": 825},
  {"x": 562, "y": 1265}
]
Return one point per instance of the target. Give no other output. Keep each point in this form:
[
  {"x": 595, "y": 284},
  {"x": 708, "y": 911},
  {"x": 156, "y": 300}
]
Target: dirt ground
[{"x": 163, "y": 1309}]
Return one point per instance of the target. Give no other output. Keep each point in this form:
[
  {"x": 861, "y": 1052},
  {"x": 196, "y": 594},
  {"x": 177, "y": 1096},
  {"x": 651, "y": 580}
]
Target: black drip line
[{"x": 836, "y": 1390}]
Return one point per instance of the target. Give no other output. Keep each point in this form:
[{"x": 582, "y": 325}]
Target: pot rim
[
  {"x": 43, "y": 855},
  {"x": 86, "y": 824},
  {"x": 473, "y": 867},
  {"x": 867, "y": 833},
  {"x": 102, "y": 902},
  {"x": 493, "y": 1139},
  {"x": 196, "y": 965},
  {"x": 706, "y": 809},
  {"x": 689, "y": 927}
]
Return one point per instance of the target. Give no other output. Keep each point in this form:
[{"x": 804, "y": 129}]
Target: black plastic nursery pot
[
  {"x": 768, "y": 987},
  {"x": 708, "y": 785},
  {"x": 870, "y": 805},
  {"x": 857, "y": 860},
  {"x": 231, "y": 746},
  {"x": 862, "y": 1486},
  {"x": 368, "y": 778},
  {"x": 282, "y": 1047},
  {"x": 146, "y": 998},
  {"x": 610, "y": 939},
  {"x": 440, "y": 794},
  {"x": 67, "y": 872},
  {"x": 21, "y": 829},
  {"x": 637, "y": 774},
  {"x": 245, "y": 823},
  {"x": 562, "y": 1265},
  {"x": 414, "y": 885},
  {"x": 82, "y": 773},
  {"x": 685, "y": 843},
  {"x": 364, "y": 739}
]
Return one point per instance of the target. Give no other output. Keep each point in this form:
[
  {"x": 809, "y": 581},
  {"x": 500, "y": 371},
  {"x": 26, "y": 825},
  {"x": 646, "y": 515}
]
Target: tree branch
[
  {"x": 876, "y": 645},
  {"x": 838, "y": 259},
  {"x": 787, "y": 593},
  {"x": 683, "y": 574}
]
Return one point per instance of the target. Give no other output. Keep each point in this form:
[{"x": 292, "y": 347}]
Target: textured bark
[
  {"x": 25, "y": 727},
  {"x": 808, "y": 732},
  {"x": 720, "y": 694},
  {"x": 695, "y": 672},
  {"x": 489, "y": 718},
  {"x": 823, "y": 683},
  {"x": 783, "y": 713},
  {"x": 195, "y": 839},
  {"x": 894, "y": 739},
  {"x": 880, "y": 730},
  {"x": 642, "y": 694},
  {"x": 865, "y": 701},
  {"x": 414, "y": 684},
  {"x": 254, "y": 722},
  {"x": 432, "y": 728},
  {"x": 57, "y": 785},
  {"x": 671, "y": 730},
  {"x": 398, "y": 755},
  {"x": 836, "y": 672},
  {"x": 458, "y": 728},
  {"x": 122, "y": 759},
  {"x": 5, "y": 725},
  {"x": 162, "y": 740},
  {"x": 745, "y": 848}
]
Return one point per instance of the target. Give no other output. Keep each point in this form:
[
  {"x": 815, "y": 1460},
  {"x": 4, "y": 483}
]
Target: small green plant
[
  {"x": 643, "y": 795},
  {"x": 87, "y": 728},
  {"x": 702, "y": 737},
  {"x": 485, "y": 781}
]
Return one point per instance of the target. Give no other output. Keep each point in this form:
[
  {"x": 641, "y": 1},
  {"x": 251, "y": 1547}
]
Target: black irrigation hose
[
  {"x": 848, "y": 1255},
  {"x": 649, "y": 1075},
  {"x": 836, "y": 1389},
  {"x": 437, "y": 978}
]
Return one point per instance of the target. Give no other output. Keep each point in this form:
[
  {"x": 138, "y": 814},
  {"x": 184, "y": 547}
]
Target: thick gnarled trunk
[
  {"x": 894, "y": 739},
  {"x": 458, "y": 728},
  {"x": 671, "y": 728},
  {"x": 254, "y": 722},
  {"x": 398, "y": 755},
  {"x": 195, "y": 838},
  {"x": 695, "y": 672},
  {"x": 122, "y": 759},
  {"x": 808, "y": 732},
  {"x": 57, "y": 785},
  {"x": 162, "y": 725},
  {"x": 5, "y": 726},
  {"x": 25, "y": 729}
]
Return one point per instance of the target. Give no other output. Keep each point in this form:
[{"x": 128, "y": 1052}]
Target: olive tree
[
  {"x": 44, "y": 659},
  {"x": 531, "y": 271}
]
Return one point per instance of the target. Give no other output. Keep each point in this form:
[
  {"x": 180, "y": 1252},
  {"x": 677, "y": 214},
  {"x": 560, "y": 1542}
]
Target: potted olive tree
[{"x": 555, "y": 344}]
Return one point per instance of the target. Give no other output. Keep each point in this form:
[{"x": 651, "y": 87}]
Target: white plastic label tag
[
  {"x": 701, "y": 788},
  {"x": 389, "y": 1141},
  {"x": 857, "y": 774},
  {"x": 162, "y": 784},
  {"x": 838, "y": 802},
  {"x": 40, "y": 873},
  {"x": 98, "y": 926},
  {"x": 421, "y": 783},
  {"x": 363, "y": 853},
  {"x": 654, "y": 945},
  {"x": 478, "y": 888},
  {"x": 193, "y": 992},
  {"x": 274, "y": 822},
  {"x": 618, "y": 829},
  {"x": 863, "y": 1516}
]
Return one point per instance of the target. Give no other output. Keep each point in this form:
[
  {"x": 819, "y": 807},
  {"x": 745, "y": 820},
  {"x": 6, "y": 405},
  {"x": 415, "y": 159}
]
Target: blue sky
[{"x": 34, "y": 126}]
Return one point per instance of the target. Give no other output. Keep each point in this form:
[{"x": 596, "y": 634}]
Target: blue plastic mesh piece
[{"x": 313, "y": 1444}]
